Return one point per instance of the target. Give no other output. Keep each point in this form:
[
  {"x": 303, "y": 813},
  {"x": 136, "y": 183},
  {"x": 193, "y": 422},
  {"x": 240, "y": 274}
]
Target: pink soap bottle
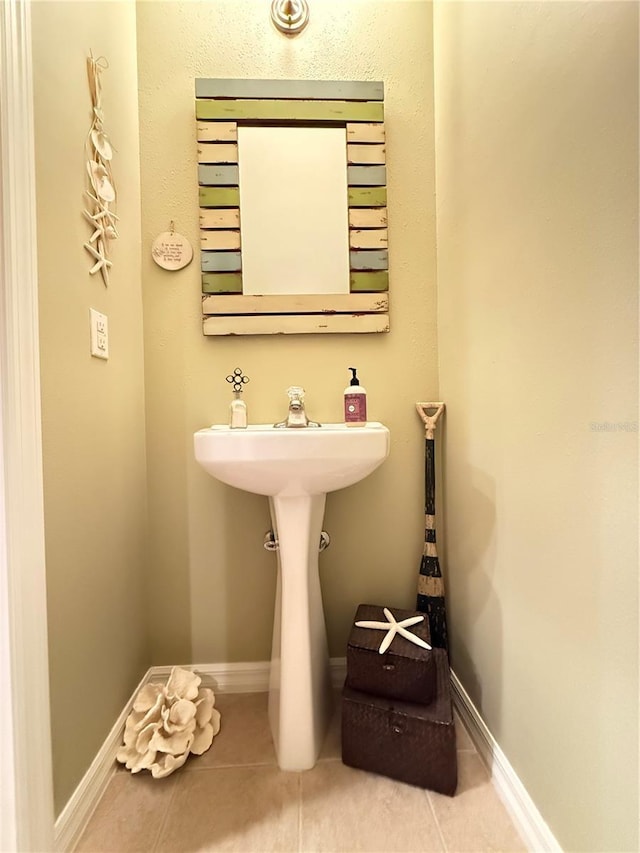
[{"x": 355, "y": 402}]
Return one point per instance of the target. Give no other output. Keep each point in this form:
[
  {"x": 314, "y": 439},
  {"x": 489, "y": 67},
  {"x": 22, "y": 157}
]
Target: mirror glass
[{"x": 294, "y": 210}]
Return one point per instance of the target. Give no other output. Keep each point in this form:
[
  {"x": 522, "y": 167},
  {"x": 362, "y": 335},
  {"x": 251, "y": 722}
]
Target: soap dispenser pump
[
  {"x": 355, "y": 402},
  {"x": 238, "y": 407}
]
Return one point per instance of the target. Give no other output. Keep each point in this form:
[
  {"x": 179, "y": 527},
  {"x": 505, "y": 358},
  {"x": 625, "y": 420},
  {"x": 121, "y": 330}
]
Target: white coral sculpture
[
  {"x": 102, "y": 192},
  {"x": 168, "y": 722}
]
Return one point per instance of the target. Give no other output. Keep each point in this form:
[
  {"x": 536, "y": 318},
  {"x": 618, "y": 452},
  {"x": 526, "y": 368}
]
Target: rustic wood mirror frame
[{"x": 221, "y": 105}]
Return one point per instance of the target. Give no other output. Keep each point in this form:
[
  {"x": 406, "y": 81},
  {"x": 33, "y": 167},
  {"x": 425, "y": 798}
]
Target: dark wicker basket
[
  {"x": 402, "y": 740},
  {"x": 405, "y": 671}
]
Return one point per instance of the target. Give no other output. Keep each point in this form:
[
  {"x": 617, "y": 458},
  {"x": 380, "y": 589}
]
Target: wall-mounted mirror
[{"x": 292, "y": 186}]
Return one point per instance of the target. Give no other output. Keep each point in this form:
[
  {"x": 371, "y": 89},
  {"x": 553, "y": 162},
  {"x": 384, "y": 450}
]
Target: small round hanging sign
[{"x": 171, "y": 251}]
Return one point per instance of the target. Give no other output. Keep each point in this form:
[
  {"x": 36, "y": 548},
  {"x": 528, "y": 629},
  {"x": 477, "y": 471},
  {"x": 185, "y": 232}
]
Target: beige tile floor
[{"x": 235, "y": 797}]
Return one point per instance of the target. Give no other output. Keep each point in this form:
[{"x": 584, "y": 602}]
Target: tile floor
[{"x": 234, "y": 797}]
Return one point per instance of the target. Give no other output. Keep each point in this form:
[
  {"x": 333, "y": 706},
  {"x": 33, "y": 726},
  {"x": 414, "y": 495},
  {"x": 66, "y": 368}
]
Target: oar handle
[{"x": 430, "y": 420}]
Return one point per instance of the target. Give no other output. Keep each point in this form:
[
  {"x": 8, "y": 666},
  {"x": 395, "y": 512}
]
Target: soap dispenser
[
  {"x": 238, "y": 407},
  {"x": 355, "y": 402}
]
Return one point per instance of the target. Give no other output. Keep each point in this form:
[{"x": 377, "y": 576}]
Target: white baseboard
[
  {"x": 253, "y": 677},
  {"x": 80, "y": 806},
  {"x": 250, "y": 677},
  {"x": 522, "y": 810}
]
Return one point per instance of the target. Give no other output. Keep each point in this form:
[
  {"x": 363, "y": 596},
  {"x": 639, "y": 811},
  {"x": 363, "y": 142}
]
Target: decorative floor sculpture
[
  {"x": 430, "y": 598},
  {"x": 168, "y": 722}
]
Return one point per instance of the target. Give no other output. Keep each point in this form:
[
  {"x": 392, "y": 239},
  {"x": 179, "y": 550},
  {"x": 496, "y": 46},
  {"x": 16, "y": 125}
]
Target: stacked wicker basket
[{"x": 397, "y": 716}]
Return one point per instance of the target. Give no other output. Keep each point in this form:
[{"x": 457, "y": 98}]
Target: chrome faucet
[{"x": 296, "y": 417}]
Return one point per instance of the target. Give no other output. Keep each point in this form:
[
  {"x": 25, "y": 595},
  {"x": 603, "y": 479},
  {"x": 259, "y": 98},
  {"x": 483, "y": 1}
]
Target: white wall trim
[
  {"x": 252, "y": 677},
  {"x": 8, "y": 775},
  {"x": 535, "y": 832},
  {"x": 26, "y": 777},
  {"x": 82, "y": 803}
]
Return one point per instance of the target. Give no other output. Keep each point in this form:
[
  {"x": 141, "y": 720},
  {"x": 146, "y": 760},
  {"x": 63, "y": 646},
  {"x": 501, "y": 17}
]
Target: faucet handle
[
  {"x": 237, "y": 379},
  {"x": 295, "y": 392}
]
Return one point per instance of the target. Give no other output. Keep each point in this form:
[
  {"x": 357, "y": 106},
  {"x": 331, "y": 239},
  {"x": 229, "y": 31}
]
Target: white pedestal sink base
[
  {"x": 300, "y": 682},
  {"x": 295, "y": 468}
]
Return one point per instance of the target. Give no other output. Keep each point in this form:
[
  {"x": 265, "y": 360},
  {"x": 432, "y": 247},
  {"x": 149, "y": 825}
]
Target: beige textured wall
[
  {"x": 537, "y": 187},
  {"x": 212, "y": 590},
  {"x": 93, "y": 411}
]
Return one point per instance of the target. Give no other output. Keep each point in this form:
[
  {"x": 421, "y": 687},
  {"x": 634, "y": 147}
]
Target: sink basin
[
  {"x": 295, "y": 468},
  {"x": 305, "y": 461}
]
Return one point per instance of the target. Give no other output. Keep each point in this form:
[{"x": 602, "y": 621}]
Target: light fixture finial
[{"x": 290, "y": 16}]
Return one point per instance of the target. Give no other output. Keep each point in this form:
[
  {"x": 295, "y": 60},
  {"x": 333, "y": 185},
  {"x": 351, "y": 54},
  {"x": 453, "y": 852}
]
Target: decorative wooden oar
[{"x": 430, "y": 584}]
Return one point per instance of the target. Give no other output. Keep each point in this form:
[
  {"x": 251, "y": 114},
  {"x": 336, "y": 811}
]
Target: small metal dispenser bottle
[
  {"x": 355, "y": 402},
  {"x": 238, "y": 407}
]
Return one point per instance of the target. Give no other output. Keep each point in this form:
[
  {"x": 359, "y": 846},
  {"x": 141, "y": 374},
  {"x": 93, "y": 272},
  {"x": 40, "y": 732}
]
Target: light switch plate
[{"x": 99, "y": 334}]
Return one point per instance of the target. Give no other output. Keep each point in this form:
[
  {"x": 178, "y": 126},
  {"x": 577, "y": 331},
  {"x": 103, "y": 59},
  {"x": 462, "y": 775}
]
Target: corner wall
[
  {"x": 537, "y": 207},
  {"x": 92, "y": 410}
]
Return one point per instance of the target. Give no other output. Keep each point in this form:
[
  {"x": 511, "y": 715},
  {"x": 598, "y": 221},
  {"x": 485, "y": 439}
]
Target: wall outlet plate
[{"x": 99, "y": 334}]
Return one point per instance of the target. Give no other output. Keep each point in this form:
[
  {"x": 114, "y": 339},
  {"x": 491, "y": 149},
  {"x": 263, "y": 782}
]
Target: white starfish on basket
[{"x": 393, "y": 627}]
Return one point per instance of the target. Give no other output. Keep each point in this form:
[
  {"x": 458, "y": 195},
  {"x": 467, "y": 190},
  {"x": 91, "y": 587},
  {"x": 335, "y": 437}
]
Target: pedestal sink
[{"x": 295, "y": 468}]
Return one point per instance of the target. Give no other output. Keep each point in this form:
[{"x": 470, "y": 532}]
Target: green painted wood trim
[
  {"x": 369, "y": 282},
  {"x": 334, "y": 111},
  {"x": 215, "y": 176},
  {"x": 219, "y": 196},
  {"x": 220, "y": 261},
  {"x": 369, "y": 259},
  {"x": 339, "y": 90},
  {"x": 222, "y": 282},
  {"x": 367, "y": 197},
  {"x": 366, "y": 176}
]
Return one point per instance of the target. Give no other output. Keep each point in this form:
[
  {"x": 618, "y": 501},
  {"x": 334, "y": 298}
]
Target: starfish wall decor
[
  {"x": 392, "y": 627},
  {"x": 102, "y": 192}
]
